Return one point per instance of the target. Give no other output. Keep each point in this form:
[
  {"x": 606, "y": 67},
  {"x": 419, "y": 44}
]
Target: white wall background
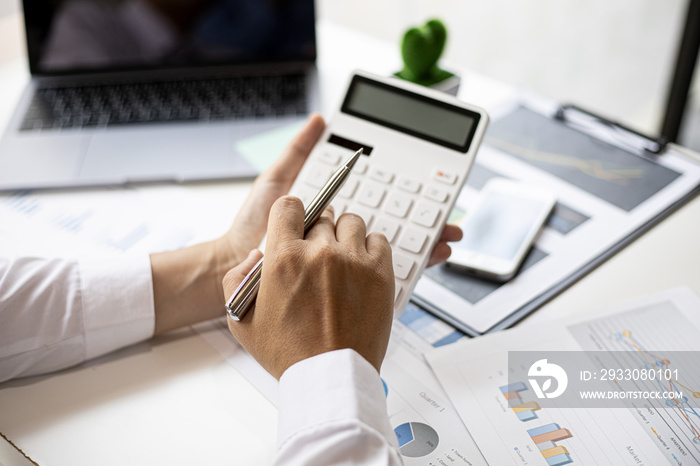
[{"x": 611, "y": 56}]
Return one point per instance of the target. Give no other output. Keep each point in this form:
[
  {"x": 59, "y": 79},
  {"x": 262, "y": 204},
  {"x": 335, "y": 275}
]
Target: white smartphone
[{"x": 500, "y": 228}]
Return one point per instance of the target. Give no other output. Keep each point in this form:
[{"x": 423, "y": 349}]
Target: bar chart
[
  {"x": 545, "y": 436},
  {"x": 526, "y": 411},
  {"x": 512, "y": 425}
]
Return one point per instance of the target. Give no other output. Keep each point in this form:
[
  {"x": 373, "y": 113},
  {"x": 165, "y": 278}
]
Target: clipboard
[{"x": 555, "y": 144}]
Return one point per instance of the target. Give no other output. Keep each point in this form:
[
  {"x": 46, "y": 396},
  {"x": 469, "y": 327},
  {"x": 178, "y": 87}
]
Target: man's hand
[
  {"x": 250, "y": 225},
  {"x": 187, "y": 282},
  {"x": 330, "y": 290}
]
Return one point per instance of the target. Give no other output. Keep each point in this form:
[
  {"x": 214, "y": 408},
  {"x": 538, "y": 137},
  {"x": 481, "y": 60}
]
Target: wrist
[{"x": 187, "y": 285}]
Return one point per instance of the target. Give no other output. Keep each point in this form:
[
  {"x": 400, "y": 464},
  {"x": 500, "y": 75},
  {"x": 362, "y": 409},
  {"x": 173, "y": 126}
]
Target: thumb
[{"x": 235, "y": 276}]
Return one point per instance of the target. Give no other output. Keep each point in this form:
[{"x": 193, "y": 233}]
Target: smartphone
[{"x": 500, "y": 228}]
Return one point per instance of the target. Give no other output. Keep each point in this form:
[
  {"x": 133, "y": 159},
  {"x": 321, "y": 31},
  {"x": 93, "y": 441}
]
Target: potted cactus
[{"x": 421, "y": 49}]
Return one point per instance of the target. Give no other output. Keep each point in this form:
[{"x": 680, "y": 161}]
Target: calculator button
[
  {"x": 444, "y": 177},
  {"x": 436, "y": 194},
  {"x": 381, "y": 174},
  {"x": 425, "y": 214},
  {"x": 306, "y": 194},
  {"x": 318, "y": 175},
  {"x": 398, "y": 205},
  {"x": 387, "y": 227},
  {"x": 403, "y": 266},
  {"x": 408, "y": 184},
  {"x": 371, "y": 195},
  {"x": 413, "y": 240},
  {"x": 360, "y": 167},
  {"x": 331, "y": 158},
  {"x": 338, "y": 208},
  {"x": 363, "y": 212},
  {"x": 350, "y": 187},
  {"x": 397, "y": 292}
]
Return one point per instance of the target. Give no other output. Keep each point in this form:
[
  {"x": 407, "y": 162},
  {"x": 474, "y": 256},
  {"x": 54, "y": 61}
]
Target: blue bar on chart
[
  {"x": 514, "y": 387},
  {"x": 543, "y": 429},
  {"x": 528, "y": 415},
  {"x": 559, "y": 460}
]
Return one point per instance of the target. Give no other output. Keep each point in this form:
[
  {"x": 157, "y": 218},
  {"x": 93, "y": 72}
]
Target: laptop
[{"x": 130, "y": 91}]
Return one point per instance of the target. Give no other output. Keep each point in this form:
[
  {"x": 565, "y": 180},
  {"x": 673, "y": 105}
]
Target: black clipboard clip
[{"x": 624, "y": 137}]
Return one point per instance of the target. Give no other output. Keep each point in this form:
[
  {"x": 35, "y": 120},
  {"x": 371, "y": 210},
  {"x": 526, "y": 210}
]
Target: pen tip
[{"x": 349, "y": 164}]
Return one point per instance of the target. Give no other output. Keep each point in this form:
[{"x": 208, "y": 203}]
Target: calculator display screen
[{"x": 414, "y": 114}]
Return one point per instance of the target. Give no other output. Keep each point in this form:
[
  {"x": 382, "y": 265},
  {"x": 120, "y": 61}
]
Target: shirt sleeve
[
  {"x": 333, "y": 411},
  {"x": 58, "y": 313}
]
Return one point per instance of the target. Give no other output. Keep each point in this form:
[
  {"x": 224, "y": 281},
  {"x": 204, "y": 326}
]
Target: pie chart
[{"x": 416, "y": 439}]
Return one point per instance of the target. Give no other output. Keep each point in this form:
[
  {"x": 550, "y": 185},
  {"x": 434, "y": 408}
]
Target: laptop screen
[{"x": 83, "y": 36}]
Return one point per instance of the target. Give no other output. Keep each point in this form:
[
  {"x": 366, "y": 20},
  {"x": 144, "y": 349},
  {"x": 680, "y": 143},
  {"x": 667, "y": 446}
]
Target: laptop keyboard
[{"x": 200, "y": 100}]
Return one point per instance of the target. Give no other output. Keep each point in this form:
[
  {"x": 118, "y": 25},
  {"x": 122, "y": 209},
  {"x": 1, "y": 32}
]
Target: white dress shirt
[{"x": 58, "y": 313}]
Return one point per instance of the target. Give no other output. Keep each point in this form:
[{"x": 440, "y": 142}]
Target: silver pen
[{"x": 244, "y": 296}]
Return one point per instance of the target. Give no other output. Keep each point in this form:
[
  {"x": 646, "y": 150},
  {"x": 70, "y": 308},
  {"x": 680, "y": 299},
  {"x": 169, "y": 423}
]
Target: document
[
  {"x": 106, "y": 222},
  {"x": 514, "y": 422},
  {"x": 606, "y": 195},
  {"x": 426, "y": 425}
]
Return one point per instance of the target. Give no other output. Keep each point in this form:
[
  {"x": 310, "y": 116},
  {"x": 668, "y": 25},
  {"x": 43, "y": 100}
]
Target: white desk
[{"x": 174, "y": 400}]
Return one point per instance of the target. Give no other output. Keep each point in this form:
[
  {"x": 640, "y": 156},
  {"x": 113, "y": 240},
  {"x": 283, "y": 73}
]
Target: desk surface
[{"x": 176, "y": 400}]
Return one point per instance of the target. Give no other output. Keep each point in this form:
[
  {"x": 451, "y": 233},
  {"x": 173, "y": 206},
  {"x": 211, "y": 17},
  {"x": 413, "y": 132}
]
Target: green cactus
[{"x": 421, "y": 49}]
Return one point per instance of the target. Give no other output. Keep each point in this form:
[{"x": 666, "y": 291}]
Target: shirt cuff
[
  {"x": 117, "y": 299},
  {"x": 334, "y": 386}
]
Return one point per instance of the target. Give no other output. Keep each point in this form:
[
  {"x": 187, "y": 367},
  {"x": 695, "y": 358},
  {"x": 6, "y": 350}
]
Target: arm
[
  {"x": 58, "y": 313},
  {"x": 321, "y": 325},
  {"x": 340, "y": 416}
]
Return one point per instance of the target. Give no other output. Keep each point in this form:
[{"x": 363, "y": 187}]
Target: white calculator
[{"x": 419, "y": 145}]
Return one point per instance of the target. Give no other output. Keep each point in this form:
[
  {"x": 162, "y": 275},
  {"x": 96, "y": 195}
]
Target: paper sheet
[
  {"x": 474, "y": 372},
  {"x": 426, "y": 424},
  {"x": 106, "y": 222}
]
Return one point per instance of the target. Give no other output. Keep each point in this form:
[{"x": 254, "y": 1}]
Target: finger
[
  {"x": 440, "y": 254},
  {"x": 286, "y": 222},
  {"x": 378, "y": 246},
  {"x": 324, "y": 226},
  {"x": 451, "y": 233},
  {"x": 288, "y": 164},
  {"x": 352, "y": 232},
  {"x": 235, "y": 276}
]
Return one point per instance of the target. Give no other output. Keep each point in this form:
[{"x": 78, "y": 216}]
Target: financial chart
[{"x": 512, "y": 425}]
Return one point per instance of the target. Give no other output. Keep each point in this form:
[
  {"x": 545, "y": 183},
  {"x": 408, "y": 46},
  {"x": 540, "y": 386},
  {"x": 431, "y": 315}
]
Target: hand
[
  {"x": 187, "y": 282},
  {"x": 330, "y": 290},
  {"x": 442, "y": 250},
  {"x": 250, "y": 225}
]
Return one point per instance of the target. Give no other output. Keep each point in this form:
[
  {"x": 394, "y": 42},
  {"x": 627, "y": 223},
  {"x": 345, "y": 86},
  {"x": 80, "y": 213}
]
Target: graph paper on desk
[
  {"x": 607, "y": 196},
  {"x": 512, "y": 425}
]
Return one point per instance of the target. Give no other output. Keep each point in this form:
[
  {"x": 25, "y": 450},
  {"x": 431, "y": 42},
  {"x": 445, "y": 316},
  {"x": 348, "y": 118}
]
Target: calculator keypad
[{"x": 403, "y": 208}]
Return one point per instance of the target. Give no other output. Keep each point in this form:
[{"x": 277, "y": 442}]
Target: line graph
[
  {"x": 613, "y": 174},
  {"x": 591, "y": 167},
  {"x": 649, "y": 360},
  {"x": 658, "y": 338}
]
